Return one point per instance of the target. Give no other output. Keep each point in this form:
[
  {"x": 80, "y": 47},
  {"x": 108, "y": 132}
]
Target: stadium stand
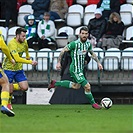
[
  {"x": 129, "y": 1},
  {"x": 89, "y": 13},
  {"x": 43, "y": 60},
  {"x": 127, "y": 59},
  {"x": 30, "y": 1},
  {"x": 127, "y": 42},
  {"x": 126, "y": 13},
  {"x": 74, "y": 15},
  {"x": 23, "y": 11},
  {"x": 4, "y": 32},
  {"x": 11, "y": 33},
  {"x": 62, "y": 35},
  {"x": 118, "y": 65},
  {"x": 93, "y": 64},
  {"x": 82, "y": 2},
  {"x": 77, "y": 31},
  {"x": 29, "y": 67},
  {"x": 111, "y": 59}
]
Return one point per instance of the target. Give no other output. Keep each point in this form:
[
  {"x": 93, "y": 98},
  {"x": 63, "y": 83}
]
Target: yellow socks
[
  {"x": 16, "y": 87},
  {"x": 4, "y": 98}
]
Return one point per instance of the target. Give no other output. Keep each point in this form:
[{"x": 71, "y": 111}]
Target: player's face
[
  {"x": 83, "y": 35},
  {"x": 21, "y": 38}
]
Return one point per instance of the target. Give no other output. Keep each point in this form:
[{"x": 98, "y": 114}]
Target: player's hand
[
  {"x": 58, "y": 66},
  {"x": 100, "y": 66},
  {"x": 34, "y": 63},
  {"x": 13, "y": 62}
]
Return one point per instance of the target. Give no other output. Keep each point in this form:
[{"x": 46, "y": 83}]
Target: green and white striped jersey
[{"x": 78, "y": 52}]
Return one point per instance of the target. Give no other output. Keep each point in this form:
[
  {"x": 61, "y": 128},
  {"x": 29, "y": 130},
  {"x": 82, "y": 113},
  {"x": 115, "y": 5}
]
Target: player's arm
[
  {"x": 65, "y": 49},
  {"x": 19, "y": 59},
  {"x": 94, "y": 56},
  {"x": 58, "y": 66},
  {"x": 5, "y": 50},
  {"x": 27, "y": 53}
]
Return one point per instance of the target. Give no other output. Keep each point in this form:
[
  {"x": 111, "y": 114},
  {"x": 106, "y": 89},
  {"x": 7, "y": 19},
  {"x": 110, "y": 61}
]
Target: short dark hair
[
  {"x": 19, "y": 30},
  {"x": 46, "y": 14},
  {"x": 83, "y": 28}
]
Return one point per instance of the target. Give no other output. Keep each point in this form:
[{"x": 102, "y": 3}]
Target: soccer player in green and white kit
[{"x": 78, "y": 50}]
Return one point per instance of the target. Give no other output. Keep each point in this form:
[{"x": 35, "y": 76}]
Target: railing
[{"x": 117, "y": 70}]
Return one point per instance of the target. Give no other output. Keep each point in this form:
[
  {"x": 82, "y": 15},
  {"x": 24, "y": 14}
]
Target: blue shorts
[{"x": 17, "y": 76}]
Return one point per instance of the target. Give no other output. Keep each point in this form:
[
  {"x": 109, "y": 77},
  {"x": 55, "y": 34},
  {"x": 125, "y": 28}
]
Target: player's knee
[
  {"x": 87, "y": 87},
  {"x": 76, "y": 86},
  {"x": 24, "y": 88}
]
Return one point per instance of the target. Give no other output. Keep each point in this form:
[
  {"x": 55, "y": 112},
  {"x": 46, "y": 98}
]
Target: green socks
[
  {"x": 90, "y": 97},
  {"x": 64, "y": 83}
]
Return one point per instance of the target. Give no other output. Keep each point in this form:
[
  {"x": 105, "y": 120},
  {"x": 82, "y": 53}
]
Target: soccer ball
[{"x": 106, "y": 103}]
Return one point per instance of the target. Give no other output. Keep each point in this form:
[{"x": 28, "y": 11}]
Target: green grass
[{"x": 68, "y": 119}]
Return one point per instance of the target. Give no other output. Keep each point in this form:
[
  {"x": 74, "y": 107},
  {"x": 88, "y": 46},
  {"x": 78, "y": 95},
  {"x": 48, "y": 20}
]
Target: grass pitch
[{"x": 68, "y": 119}]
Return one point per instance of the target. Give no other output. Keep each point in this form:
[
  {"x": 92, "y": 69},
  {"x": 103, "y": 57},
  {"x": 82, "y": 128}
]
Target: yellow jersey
[
  {"x": 4, "y": 49},
  {"x": 16, "y": 49}
]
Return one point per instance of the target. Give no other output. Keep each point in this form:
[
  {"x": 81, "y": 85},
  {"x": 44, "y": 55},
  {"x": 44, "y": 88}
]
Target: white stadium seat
[
  {"x": 42, "y": 59},
  {"x": 63, "y": 40},
  {"x": 127, "y": 59},
  {"x": 11, "y": 33},
  {"x": 4, "y": 32},
  {"x": 126, "y": 13},
  {"x": 74, "y": 15},
  {"x": 111, "y": 59},
  {"x": 89, "y": 13},
  {"x": 23, "y": 11},
  {"x": 32, "y": 53},
  {"x": 92, "y": 65}
]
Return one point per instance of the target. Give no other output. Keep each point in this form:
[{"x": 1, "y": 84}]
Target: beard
[
  {"x": 20, "y": 41},
  {"x": 83, "y": 39}
]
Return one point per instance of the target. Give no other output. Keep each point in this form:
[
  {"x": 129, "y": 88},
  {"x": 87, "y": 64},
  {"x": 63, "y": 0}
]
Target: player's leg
[
  {"x": 10, "y": 75},
  {"x": 10, "y": 97},
  {"x": 13, "y": 87},
  {"x": 21, "y": 79},
  {"x": 64, "y": 83},
  {"x": 5, "y": 95},
  {"x": 89, "y": 95}
]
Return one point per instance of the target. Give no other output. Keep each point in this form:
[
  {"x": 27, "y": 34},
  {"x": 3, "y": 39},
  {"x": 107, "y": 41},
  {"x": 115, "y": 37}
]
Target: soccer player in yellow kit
[
  {"x": 17, "y": 47},
  {"x": 4, "y": 80}
]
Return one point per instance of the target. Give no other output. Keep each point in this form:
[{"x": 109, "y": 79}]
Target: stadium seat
[
  {"x": 129, "y": 2},
  {"x": 111, "y": 59},
  {"x": 82, "y": 2},
  {"x": 23, "y": 11},
  {"x": 127, "y": 59},
  {"x": 63, "y": 40},
  {"x": 128, "y": 35},
  {"x": 92, "y": 65},
  {"x": 32, "y": 53},
  {"x": 74, "y": 15},
  {"x": 89, "y": 13},
  {"x": 30, "y": 1},
  {"x": 129, "y": 32},
  {"x": 11, "y": 33},
  {"x": 55, "y": 58},
  {"x": 4, "y": 32},
  {"x": 77, "y": 30},
  {"x": 43, "y": 60},
  {"x": 126, "y": 13}
]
